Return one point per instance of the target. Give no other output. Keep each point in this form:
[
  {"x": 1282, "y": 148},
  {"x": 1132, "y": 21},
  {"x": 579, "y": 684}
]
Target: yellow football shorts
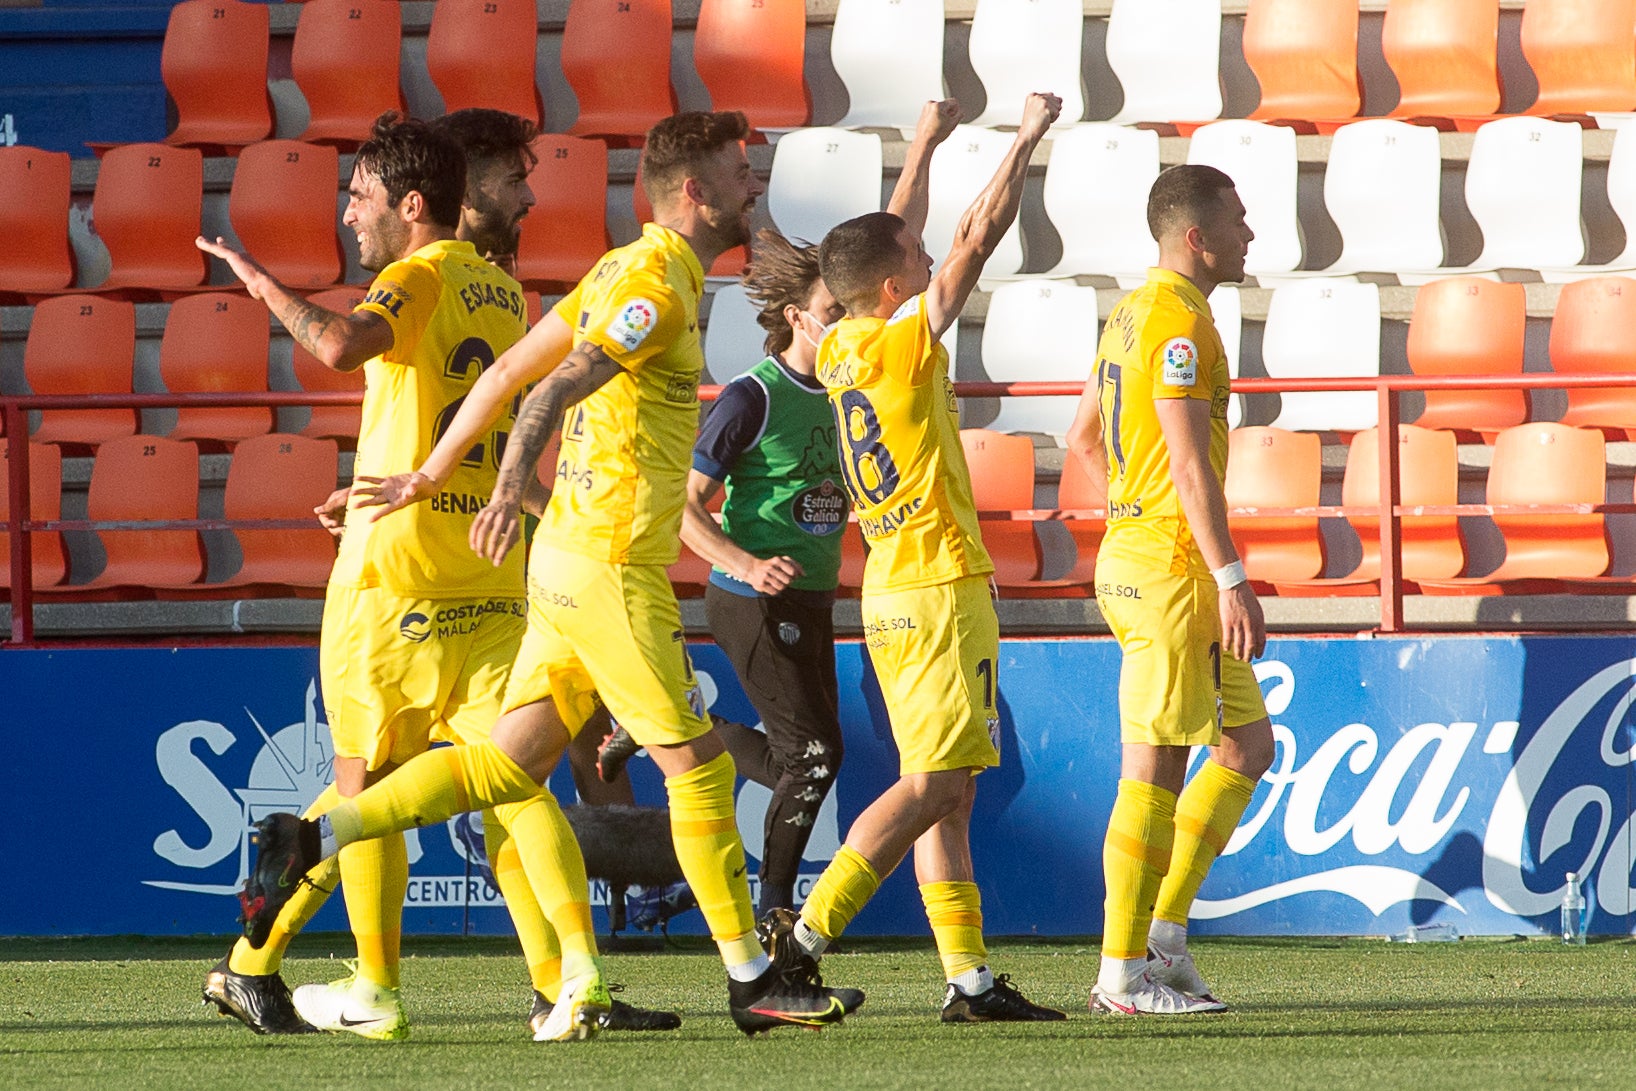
[
  {"x": 936, "y": 652},
  {"x": 400, "y": 673},
  {"x": 1176, "y": 686},
  {"x": 609, "y": 630}
]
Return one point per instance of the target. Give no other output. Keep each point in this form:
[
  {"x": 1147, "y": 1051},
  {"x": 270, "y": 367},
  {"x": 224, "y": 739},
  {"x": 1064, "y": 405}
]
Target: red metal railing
[{"x": 1388, "y": 389}]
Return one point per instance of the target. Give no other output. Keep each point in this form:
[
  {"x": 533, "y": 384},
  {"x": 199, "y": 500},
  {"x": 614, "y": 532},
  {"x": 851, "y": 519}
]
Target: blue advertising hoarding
[{"x": 1430, "y": 779}]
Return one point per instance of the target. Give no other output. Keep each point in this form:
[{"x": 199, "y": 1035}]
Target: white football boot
[
  {"x": 1179, "y": 973},
  {"x": 581, "y": 1007},
  {"x": 356, "y": 1005},
  {"x": 1148, "y": 997}
]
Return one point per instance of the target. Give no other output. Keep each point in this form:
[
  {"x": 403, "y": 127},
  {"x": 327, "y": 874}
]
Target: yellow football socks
[
  {"x": 551, "y": 859},
  {"x": 1206, "y": 815},
  {"x": 955, "y": 910},
  {"x": 705, "y": 832},
  {"x": 432, "y": 788},
  {"x": 374, "y": 879},
  {"x": 842, "y": 891},
  {"x": 1135, "y": 858},
  {"x": 539, "y": 941},
  {"x": 308, "y": 899}
]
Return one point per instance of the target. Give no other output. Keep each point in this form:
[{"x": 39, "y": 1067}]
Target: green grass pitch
[{"x": 125, "y": 1012}]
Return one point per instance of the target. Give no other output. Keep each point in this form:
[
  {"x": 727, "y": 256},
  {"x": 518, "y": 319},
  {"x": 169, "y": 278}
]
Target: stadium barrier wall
[{"x": 1417, "y": 779}]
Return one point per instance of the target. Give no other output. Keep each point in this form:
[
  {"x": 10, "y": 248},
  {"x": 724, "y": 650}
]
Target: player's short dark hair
[
  {"x": 488, "y": 136},
  {"x": 857, "y": 256},
  {"x": 410, "y": 155},
  {"x": 782, "y": 273},
  {"x": 1183, "y": 196},
  {"x": 677, "y": 146}
]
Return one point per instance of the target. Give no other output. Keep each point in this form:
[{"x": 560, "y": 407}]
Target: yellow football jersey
[
  {"x": 899, "y": 429},
  {"x": 1159, "y": 342},
  {"x": 622, "y": 474},
  {"x": 452, "y": 314}
]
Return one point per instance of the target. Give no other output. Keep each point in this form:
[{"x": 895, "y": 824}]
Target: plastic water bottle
[
  {"x": 1440, "y": 932},
  {"x": 1574, "y": 912}
]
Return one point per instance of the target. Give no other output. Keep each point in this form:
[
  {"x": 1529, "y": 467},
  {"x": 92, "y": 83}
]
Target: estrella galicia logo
[
  {"x": 415, "y": 627},
  {"x": 820, "y": 510}
]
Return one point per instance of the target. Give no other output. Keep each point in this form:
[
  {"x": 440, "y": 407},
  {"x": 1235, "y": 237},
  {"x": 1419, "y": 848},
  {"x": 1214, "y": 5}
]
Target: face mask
[{"x": 823, "y": 330}]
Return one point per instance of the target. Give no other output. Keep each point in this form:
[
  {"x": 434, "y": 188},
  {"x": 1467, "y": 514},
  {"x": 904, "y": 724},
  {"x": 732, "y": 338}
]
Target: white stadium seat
[
  {"x": 889, "y": 54},
  {"x": 1039, "y": 331},
  {"x": 1522, "y": 186},
  {"x": 1622, "y": 196},
  {"x": 1319, "y": 328},
  {"x": 821, "y": 177},
  {"x": 1167, "y": 55},
  {"x": 1019, "y": 46},
  {"x": 1096, "y": 187},
  {"x": 1382, "y": 188},
  {"x": 1227, "y": 309}
]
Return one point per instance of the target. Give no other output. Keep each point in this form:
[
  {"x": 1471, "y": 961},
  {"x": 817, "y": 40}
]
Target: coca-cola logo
[{"x": 1395, "y": 797}]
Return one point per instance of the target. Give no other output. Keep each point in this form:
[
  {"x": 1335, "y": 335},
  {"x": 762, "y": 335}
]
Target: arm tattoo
[
  {"x": 307, "y": 323},
  {"x": 541, "y": 415}
]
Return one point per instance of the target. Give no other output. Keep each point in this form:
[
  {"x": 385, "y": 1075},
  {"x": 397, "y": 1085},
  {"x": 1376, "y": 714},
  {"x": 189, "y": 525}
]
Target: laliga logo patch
[
  {"x": 908, "y": 309},
  {"x": 633, "y": 323},
  {"x": 1181, "y": 362},
  {"x": 415, "y": 628}
]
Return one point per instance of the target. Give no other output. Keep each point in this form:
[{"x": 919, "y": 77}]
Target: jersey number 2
[{"x": 472, "y": 353}]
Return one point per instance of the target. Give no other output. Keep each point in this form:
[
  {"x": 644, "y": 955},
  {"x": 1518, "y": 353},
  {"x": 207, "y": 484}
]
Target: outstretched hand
[
  {"x": 246, "y": 268},
  {"x": 389, "y": 494},
  {"x": 1039, "y": 111}
]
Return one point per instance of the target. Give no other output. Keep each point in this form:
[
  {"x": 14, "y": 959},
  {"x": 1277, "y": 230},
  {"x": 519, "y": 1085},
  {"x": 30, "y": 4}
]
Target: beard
[
  {"x": 384, "y": 242},
  {"x": 492, "y": 233}
]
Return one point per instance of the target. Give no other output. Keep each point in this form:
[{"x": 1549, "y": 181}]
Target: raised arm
[
  {"x": 541, "y": 350},
  {"x": 341, "y": 342},
  {"x": 988, "y": 218},
  {"x": 1185, "y": 423},
  {"x": 937, "y": 121}
]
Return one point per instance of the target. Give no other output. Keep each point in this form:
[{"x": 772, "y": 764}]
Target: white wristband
[{"x": 1229, "y": 576}]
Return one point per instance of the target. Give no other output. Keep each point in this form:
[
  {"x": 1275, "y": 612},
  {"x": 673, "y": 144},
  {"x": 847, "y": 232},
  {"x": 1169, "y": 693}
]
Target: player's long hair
[
  {"x": 408, "y": 154},
  {"x": 782, "y": 274}
]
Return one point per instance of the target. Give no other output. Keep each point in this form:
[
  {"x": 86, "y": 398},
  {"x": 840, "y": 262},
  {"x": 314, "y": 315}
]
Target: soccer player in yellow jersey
[
  {"x": 418, "y": 634},
  {"x": 1153, "y": 423},
  {"x": 928, "y": 618},
  {"x": 621, "y": 353}
]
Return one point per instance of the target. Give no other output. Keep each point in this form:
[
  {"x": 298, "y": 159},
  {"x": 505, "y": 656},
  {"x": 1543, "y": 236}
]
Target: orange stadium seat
[
  {"x": 1581, "y": 53},
  {"x": 217, "y": 342},
  {"x": 616, "y": 55},
  {"x": 1444, "y": 54},
  {"x": 1430, "y": 546},
  {"x": 567, "y": 231},
  {"x": 34, "y": 220},
  {"x": 1544, "y": 463},
  {"x": 1469, "y": 326},
  {"x": 345, "y": 61},
  {"x": 146, "y": 212},
  {"x": 50, "y": 564},
  {"x": 81, "y": 344},
  {"x": 750, "y": 55},
  {"x": 1590, "y": 332},
  {"x": 481, "y": 53},
  {"x": 1305, "y": 55},
  {"x": 214, "y": 65},
  {"x": 330, "y": 421},
  {"x": 854, "y": 558},
  {"x": 1272, "y": 468},
  {"x": 146, "y": 478},
  {"x": 1002, "y": 479},
  {"x": 1076, "y": 491},
  {"x": 283, "y": 208},
  {"x": 281, "y": 477}
]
